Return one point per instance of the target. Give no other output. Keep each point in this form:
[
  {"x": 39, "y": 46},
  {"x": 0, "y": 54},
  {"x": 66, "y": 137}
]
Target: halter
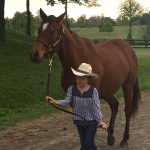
[
  {"x": 50, "y": 58},
  {"x": 51, "y": 47}
]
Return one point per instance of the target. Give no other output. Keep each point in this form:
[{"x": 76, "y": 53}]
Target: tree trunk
[
  {"x": 2, "y": 21},
  {"x": 148, "y": 32},
  {"x": 28, "y": 27},
  {"x": 66, "y": 11},
  {"x": 129, "y": 37}
]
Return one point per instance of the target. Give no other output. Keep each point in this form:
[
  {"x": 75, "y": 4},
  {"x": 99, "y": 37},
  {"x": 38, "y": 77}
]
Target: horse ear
[
  {"x": 43, "y": 15},
  {"x": 61, "y": 17}
]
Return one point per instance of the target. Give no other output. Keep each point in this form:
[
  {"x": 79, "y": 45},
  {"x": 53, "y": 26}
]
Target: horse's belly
[
  {"x": 113, "y": 79},
  {"x": 109, "y": 88},
  {"x": 116, "y": 69}
]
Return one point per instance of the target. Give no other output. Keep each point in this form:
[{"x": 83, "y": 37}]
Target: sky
[{"x": 108, "y": 7}]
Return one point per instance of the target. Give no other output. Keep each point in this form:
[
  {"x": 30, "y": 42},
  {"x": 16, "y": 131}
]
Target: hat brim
[{"x": 81, "y": 74}]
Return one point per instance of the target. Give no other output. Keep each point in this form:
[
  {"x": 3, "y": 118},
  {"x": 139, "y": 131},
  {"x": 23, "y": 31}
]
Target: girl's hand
[
  {"x": 50, "y": 100},
  {"x": 102, "y": 125}
]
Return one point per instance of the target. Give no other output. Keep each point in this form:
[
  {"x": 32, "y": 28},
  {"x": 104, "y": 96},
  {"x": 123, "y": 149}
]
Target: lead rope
[{"x": 48, "y": 87}]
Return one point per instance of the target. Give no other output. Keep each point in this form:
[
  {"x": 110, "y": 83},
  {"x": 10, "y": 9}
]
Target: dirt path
[{"x": 57, "y": 132}]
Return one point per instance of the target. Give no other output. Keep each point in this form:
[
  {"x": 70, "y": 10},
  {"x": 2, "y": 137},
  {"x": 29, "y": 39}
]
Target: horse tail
[{"x": 136, "y": 98}]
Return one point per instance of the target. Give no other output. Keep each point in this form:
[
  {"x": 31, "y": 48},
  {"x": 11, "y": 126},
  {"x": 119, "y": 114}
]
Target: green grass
[
  {"x": 120, "y": 32},
  {"x": 144, "y": 72},
  {"x": 23, "y": 83}
]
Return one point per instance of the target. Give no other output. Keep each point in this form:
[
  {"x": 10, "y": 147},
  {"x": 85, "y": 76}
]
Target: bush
[{"x": 106, "y": 26}]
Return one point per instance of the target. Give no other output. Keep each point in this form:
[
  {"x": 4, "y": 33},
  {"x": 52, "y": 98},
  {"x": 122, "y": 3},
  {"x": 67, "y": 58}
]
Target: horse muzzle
[{"x": 35, "y": 57}]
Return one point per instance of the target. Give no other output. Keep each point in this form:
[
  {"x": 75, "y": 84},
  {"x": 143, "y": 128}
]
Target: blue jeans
[{"x": 87, "y": 136}]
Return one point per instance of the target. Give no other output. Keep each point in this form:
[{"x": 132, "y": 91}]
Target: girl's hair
[{"x": 89, "y": 78}]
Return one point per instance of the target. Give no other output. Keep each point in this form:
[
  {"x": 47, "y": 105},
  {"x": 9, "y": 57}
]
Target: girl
[{"x": 85, "y": 102}]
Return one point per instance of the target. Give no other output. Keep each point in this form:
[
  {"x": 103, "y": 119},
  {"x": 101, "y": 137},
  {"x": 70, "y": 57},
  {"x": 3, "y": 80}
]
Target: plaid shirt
[{"x": 86, "y": 104}]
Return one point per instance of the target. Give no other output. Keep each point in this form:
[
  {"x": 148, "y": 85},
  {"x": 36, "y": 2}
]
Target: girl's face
[{"x": 82, "y": 81}]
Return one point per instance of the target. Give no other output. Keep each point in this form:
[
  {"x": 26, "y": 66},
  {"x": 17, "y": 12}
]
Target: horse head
[{"x": 49, "y": 37}]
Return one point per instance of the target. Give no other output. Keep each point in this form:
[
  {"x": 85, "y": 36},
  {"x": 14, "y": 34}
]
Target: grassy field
[
  {"x": 120, "y": 32},
  {"x": 23, "y": 84}
]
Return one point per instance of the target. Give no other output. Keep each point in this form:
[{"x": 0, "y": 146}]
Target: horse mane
[
  {"x": 50, "y": 19},
  {"x": 71, "y": 32}
]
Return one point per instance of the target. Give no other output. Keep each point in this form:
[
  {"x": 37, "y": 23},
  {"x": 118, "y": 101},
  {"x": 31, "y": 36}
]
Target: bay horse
[{"x": 114, "y": 61}]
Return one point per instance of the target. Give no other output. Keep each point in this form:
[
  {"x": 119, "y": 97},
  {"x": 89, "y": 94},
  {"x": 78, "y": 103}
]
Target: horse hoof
[
  {"x": 123, "y": 144},
  {"x": 110, "y": 140}
]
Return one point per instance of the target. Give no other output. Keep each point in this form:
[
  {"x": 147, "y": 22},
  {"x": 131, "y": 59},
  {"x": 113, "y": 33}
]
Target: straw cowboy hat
[{"x": 84, "y": 70}]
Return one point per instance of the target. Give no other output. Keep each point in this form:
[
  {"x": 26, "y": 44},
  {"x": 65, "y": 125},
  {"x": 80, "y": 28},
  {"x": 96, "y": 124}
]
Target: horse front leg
[
  {"x": 113, "y": 103},
  {"x": 67, "y": 79}
]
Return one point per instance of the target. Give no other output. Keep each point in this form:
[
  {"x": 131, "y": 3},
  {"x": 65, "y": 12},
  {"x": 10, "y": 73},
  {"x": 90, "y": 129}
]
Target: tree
[
  {"x": 94, "y": 21},
  {"x": 19, "y": 21},
  {"x": 81, "y": 21},
  {"x": 145, "y": 19},
  {"x": 88, "y": 3},
  {"x": 71, "y": 22},
  {"x": 147, "y": 33},
  {"x": 130, "y": 10},
  {"x": 28, "y": 22},
  {"x": 36, "y": 20},
  {"x": 121, "y": 20},
  {"x": 2, "y": 21},
  {"x": 8, "y": 23}
]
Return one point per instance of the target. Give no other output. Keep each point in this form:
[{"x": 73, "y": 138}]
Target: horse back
[{"x": 118, "y": 50}]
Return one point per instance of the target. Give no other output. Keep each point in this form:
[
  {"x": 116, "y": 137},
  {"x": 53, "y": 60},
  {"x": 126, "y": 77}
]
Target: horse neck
[{"x": 70, "y": 50}]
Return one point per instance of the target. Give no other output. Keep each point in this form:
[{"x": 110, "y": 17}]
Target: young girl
[{"x": 85, "y": 101}]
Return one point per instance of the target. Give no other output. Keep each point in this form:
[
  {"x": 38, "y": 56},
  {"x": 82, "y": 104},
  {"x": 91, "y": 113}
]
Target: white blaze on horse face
[{"x": 45, "y": 25}]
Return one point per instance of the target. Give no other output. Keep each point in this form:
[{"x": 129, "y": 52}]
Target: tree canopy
[
  {"x": 88, "y": 3},
  {"x": 145, "y": 19},
  {"x": 19, "y": 21}
]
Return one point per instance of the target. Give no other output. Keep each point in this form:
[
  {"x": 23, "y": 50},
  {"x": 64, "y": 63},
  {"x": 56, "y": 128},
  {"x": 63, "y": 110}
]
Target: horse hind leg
[
  {"x": 128, "y": 97},
  {"x": 113, "y": 103},
  {"x": 132, "y": 97}
]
